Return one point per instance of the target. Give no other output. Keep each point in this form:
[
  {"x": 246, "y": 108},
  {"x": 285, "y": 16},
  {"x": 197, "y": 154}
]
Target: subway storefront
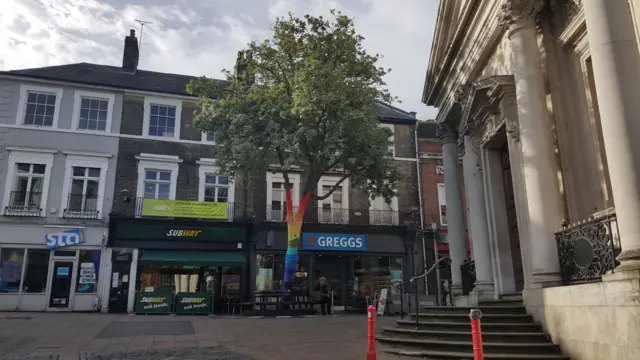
[{"x": 183, "y": 267}]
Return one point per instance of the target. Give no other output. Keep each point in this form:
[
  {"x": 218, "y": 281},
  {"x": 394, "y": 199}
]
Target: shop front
[
  {"x": 183, "y": 267},
  {"x": 358, "y": 265},
  {"x": 51, "y": 268}
]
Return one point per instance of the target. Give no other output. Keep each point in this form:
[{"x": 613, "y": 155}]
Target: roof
[
  {"x": 176, "y": 84},
  {"x": 393, "y": 114},
  {"x": 427, "y": 130},
  {"x": 111, "y": 76}
]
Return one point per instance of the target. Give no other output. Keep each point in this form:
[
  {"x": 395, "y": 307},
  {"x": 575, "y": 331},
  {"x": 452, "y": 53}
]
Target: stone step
[
  {"x": 486, "y": 318},
  {"x": 455, "y": 355},
  {"x": 502, "y": 302},
  {"x": 466, "y": 309},
  {"x": 465, "y": 335},
  {"x": 466, "y": 326},
  {"x": 467, "y": 346}
]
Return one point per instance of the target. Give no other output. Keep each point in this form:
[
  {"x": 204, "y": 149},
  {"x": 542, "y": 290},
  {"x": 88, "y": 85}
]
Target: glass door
[{"x": 61, "y": 283}]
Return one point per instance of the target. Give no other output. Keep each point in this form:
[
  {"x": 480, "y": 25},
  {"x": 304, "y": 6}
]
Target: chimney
[
  {"x": 241, "y": 66},
  {"x": 131, "y": 54},
  {"x": 413, "y": 114}
]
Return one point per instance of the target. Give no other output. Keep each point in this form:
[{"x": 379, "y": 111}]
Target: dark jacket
[{"x": 323, "y": 289}]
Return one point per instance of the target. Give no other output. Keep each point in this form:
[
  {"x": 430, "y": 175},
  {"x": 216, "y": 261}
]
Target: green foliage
[{"x": 305, "y": 99}]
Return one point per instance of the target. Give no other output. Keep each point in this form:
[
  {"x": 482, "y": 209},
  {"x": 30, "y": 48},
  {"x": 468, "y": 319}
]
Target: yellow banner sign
[{"x": 185, "y": 209}]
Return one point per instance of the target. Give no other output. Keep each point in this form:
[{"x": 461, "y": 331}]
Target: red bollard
[
  {"x": 476, "y": 334},
  {"x": 371, "y": 333}
]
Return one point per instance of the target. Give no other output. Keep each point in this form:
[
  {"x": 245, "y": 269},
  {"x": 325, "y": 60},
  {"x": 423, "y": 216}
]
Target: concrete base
[
  {"x": 596, "y": 321},
  {"x": 483, "y": 291}
]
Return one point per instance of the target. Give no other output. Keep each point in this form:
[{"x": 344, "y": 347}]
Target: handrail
[{"x": 415, "y": 277}]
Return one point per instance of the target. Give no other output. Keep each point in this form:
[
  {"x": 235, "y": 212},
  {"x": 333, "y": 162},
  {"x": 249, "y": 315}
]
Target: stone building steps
[
  {"x": 467, "y": 346},
  {"x": 465, "y": 335},
  {"x": 444, "y": 333},
  {"x": 456, "y": 355}
]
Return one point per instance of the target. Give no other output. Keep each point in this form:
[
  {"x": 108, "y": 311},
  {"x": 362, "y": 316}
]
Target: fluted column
[
  {"x": 616, "y": 69},
  {"x": 478, "y": 223},
  {"x": 455, "y": 211},
  {"x": 538, "y": 158}
]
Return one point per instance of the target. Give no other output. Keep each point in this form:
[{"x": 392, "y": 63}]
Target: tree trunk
[{"x": 294, "y": 232}]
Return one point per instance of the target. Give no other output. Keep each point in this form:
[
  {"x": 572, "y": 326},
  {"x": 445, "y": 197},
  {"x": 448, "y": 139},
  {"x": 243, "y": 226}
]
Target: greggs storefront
[
  {"x": 358, "y": 261},
  {"x": 171, "y": 266}
]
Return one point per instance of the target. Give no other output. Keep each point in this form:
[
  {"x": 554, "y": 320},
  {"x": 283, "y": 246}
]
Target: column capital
[
  {"x": 518, "y": 14},
  {"x": 446, "y": 133}
]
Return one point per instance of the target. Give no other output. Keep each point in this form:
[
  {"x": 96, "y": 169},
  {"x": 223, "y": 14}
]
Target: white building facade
[{"x": 540, "y": 99}]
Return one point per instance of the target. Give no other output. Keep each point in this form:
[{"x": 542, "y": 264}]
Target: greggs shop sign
[{"x": 334, "y": 242}]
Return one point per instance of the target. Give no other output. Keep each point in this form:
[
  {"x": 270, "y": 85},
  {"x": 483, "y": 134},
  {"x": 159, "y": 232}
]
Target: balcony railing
[
  {"x": 184, "y": 209},
  {"x": 587, "y": 250},
  {"x": 323, "y": 215},
  {"x": 24, "y": 203},
  {"x": 81, "y": 206}
]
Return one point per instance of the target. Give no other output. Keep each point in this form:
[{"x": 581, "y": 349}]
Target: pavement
[{"x": 62, "y": 336}]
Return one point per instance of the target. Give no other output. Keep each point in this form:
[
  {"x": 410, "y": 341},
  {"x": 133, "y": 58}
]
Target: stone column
[
  {"x": 455, "y": 211},
  {"x": 616, "y": 69},
  {"x": 474, "y": 186},
  {"x": 538, "y": 158}
]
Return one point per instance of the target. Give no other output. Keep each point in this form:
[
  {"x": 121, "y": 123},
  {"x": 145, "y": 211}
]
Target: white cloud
[{"x": 201, "y": 38}]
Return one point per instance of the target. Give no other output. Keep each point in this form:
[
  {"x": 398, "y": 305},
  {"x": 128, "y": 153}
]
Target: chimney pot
[{"x": 132, "y": 32}]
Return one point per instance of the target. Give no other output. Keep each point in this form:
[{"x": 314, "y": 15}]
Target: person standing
[{"x": 324, "y": 289}]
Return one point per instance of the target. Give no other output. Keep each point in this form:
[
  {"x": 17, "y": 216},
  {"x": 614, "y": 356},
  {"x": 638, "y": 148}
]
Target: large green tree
[{"x": 307, "y": 101}]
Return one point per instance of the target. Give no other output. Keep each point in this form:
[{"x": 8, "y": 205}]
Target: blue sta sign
[
  {"x": 334, "y": 242},
  {"x": 65, "y": 238}
]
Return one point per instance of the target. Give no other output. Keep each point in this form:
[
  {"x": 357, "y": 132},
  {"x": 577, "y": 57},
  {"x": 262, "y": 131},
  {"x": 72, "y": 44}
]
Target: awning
[{"x": 192, "y": 258}]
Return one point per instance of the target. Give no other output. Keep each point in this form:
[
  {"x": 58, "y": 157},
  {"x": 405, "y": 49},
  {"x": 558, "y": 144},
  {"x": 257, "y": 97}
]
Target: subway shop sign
[{"x": 334, "y": 242}]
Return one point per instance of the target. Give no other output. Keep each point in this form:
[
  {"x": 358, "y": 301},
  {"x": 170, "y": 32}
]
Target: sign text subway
[{"x": 334, "y": 242}]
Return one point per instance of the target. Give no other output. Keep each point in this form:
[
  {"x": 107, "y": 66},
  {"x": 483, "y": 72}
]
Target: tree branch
[{"x": 285, "y": 173}]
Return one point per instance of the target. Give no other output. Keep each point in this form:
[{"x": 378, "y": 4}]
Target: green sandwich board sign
[
  {"x": 193, "y": 303},
  {"x": 153, "y": 303}
]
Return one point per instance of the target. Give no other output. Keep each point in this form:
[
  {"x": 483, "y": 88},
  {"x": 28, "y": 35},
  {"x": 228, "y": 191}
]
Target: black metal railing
[
  {"x": 468, "y": 269},
  {"x": 81, "y": 206},
  {"x": 322, "y": 215},
  {"x": 587, "y": 250},
  {"x": 183, "y": 209},
  {"x": 24, "y": 203}
]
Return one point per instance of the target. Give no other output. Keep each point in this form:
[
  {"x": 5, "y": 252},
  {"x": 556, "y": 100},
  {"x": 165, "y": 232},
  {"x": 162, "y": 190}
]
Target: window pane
[
  {"x": 77, "y": 187},
  {"x": 154, "y": 110},
  {"x": 35, "y": 277},
  {"x": 92, "y": 189},
  {"x": 149, "y": 190},
  {"x": 36, "y": 184},
  {"x": 153, "y": 121},
  {"x": 210, "y": 179},
  {"x": 47, "y": 121},
  {"x": 165, "y": 175},
  {"x": 83, "y": 124},
  {"x": 162, "y": 111},
  {"x": 32, "y": 97},
  {"x": 209, "y": 194},
  {"x": 94, "y": 172},
  {"x": 29, "y": 119},
  {"x": 40, "y": 109},
  {"x": 84, "y": 104},
  {"x": 24, "y": 167},
  {"x": 39, "y": 169},
  {"x": 102, "y": 125},
  {"x": 171, "y": 112},
  {"x": 50, "y": 110},
  {"x": 223, "y": 180},
  {"x": 88, "y": 271},
  {"x": 104, "y": 105},
  {"x": 51, "y": 99},
  {"x": 164, "y": 190},
  {"x": 223, "y": 194},
  {"x": 79, "y": 171},
  {"x": 11, "y": 262},
  {"x": 151, "y": 175},
  {"x": 211, "y": 137}
]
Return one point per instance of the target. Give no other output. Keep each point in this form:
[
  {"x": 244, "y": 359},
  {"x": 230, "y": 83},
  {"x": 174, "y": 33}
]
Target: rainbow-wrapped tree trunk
[{"x": 294, "y": 232}]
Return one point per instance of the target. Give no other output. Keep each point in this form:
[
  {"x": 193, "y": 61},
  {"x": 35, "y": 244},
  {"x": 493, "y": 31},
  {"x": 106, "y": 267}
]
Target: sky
[{"x": 202, "y": 37}]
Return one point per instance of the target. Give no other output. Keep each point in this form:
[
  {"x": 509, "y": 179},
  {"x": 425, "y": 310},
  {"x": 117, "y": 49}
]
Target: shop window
[
  {"x": 270, "y": 273},
  {"x": 11, "y": 263},
  {"x": 88, "y": 271},
  {"x": 177, "y": 279},
  {"x": 374, "y": 273},
  {"x": 35, "y": 277}
]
